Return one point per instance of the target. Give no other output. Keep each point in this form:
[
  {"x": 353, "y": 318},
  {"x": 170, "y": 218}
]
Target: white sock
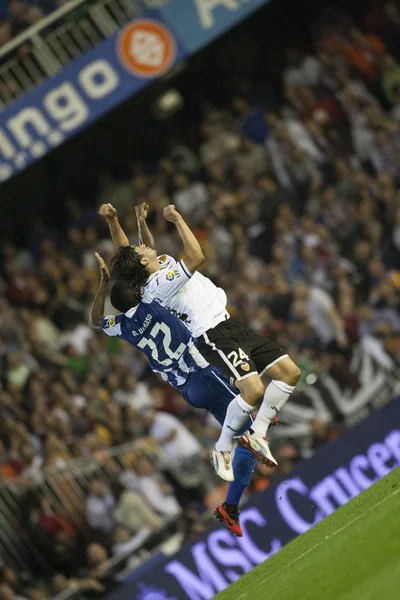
[
  {"x": 236, "y": 415},
  {"x": 275, "y": 397}
]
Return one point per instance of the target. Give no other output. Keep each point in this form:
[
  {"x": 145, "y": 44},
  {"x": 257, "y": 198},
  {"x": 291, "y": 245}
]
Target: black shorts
[{"x": 238, "y": 351}]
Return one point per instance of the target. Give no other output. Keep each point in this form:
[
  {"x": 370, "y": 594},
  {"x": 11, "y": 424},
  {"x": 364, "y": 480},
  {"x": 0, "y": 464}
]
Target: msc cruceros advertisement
[{"x": 314, "y": 489}]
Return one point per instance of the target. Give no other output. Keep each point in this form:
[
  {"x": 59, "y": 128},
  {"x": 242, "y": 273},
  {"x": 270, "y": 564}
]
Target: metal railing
[
  {"x": 66, "y": 489},
  {"x": 49, "y": 46}
]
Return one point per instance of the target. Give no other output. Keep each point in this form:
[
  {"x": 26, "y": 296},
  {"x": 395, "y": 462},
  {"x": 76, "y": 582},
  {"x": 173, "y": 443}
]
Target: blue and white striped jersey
[{"x": 165, "y": 339}]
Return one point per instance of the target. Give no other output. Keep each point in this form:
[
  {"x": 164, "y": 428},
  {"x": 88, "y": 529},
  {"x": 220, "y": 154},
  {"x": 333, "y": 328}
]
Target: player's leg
[
  {"x": 243, "y": 465},
  {"x": 222, "y": 347},
  {"x": 272, "y": 360},
  {"x": 225, "y": 347},
  {"x": 209, "y": 389},
  {"x": 280, "y": 381},
  {"x": 279, "y": 376},
  {"x": 228, "y": 346},
  {"x": 255, "y": 439},
  {"x": 228, "y": 513}
]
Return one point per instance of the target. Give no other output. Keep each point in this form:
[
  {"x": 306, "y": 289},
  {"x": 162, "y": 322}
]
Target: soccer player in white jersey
[
  {"x": 171, "y": 351},
  {"x": 263, "y": 372}
]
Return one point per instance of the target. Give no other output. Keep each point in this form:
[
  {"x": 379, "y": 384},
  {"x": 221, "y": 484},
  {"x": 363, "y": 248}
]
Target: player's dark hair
[
  {"x": 126, "y": 265},
  {"x": 124, "y": 296}
]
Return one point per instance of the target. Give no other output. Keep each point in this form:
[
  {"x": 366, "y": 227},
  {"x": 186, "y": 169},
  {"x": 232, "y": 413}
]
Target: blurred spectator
[
  {"x": 318, "y": 307},
  {"x": 100, "y": 505},
  {"x": 50, "y": 522},
  {"x": 133, "y": 512},
  {"x": 157, "y": 492},
  {"x": 382, "y": 344},
  {"x": 251, "y": 158},
  {"x": 358, "y": 50},
  {"x": 7, "y": 593},
  {"x": 190, "y": 198},
  {"x": 177, "y": 443},
  {"x": 125, "y": 542},
  {"x": 9, "y": 577},
  {"x": 250, "y": 120},
  {"x": 301, "y": 70},
  {"x": 99, "y": 571}
]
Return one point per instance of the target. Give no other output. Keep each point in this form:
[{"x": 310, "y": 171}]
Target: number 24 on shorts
[{"x": 237, "y": 358}]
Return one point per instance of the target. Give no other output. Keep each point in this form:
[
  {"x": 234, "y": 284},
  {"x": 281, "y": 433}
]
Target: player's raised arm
[
  {"x": 117, "y": 233},
  {"x": 97, "y": 312},
  {"x": 194, "y": 256},
  {"x": 145, "y": 235}
]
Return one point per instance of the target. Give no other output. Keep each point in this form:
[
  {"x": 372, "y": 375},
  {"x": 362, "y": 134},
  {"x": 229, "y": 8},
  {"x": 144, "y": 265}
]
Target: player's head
[
  {"x": 134, "y": 263},
  {"x": 124, "y": 296}
]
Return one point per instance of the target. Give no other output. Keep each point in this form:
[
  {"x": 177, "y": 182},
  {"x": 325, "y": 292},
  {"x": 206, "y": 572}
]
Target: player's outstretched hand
[
  {"x": 171, "y": 214},
  {"x": 105, "y": 273},
  {"x": 142, "y": 210},
  {"x": 108, "y": 212}
]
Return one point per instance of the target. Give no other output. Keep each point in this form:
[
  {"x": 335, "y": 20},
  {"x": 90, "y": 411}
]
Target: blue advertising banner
[
  {"x": 315, "y": 488},
  {"x": 101, "y": 79},
  {"x": 200, "y": 21}
]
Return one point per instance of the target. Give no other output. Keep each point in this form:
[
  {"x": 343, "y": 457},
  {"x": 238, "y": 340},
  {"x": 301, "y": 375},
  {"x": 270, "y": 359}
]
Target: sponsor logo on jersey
[
  {"x": 146, "y": 48},
  {"x": 111, "y": 322},
  {"x": 245, "y": 366},
  {"x": 171, "y": 275}
]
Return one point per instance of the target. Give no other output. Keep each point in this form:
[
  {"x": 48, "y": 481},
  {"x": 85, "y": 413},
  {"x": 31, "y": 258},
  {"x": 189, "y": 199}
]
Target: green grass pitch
[{"x": 354, "y": 554}]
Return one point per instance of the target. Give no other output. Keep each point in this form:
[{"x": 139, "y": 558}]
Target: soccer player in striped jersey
[{"x": 171, "y": 350}]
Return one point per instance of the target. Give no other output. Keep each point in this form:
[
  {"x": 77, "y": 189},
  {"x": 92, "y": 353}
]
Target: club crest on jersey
[
  {"x": 162, "y": 258},
  {"x": 111, "y": 322},
  {"x": 245, "y": 366}
]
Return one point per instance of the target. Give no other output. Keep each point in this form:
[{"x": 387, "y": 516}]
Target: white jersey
[{"x": 192, "y": 298}]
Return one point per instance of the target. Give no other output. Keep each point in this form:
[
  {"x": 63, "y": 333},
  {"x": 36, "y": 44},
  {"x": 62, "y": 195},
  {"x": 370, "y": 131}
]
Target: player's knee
[
  {"x": 285, "y": 370},
  {"x": 252, "y": 390},
  {"x": 292, "y": 374}
]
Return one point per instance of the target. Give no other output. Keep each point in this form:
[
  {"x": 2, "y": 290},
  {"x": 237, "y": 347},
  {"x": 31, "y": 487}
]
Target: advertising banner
[
  {"x": 107, "y": 75},
  {"x": 314, "y": 489}
]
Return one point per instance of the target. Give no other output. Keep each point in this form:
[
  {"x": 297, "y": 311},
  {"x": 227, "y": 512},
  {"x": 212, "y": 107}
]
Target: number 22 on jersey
[{"x": 166, "y": 345}]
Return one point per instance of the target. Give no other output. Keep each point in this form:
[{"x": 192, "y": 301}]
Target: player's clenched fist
[
  {"x": 108, "y": 212},
  {"x": 142, "y": 210},
  {"x": 171, "y": 214}
]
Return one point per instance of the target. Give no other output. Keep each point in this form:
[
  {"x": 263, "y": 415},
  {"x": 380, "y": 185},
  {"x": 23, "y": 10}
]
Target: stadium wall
[{"x": 315, "y": 488}]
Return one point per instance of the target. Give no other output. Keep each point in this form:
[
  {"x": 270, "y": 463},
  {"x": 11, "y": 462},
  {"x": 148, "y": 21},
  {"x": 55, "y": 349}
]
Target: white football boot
[
  {"x": 222, "y": 461},
  {"x": 259, "y": 447}
]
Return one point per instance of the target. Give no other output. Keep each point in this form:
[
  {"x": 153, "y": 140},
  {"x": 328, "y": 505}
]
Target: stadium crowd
[
  {"x": 298, "y": 213},
  {"x": 18, "y": 15}
]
